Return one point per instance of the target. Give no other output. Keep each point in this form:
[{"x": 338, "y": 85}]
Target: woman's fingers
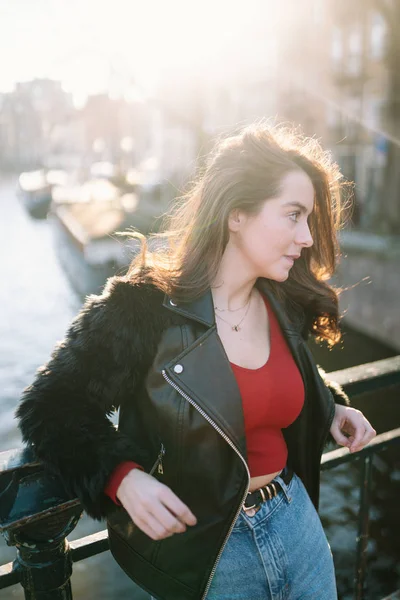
[
  {"x": 157, "y": 520},
  {"x": 358, "y": 436},
  {"x": 154, "y": 507},
  {"x": 177, "y": 507},
  {"x": 339, "y": 437},
  {"x": 153, "y": 527},
  {"x": 168, "y": 520},
  {"x": 367, "y": 435},
  {"x": 350, "y": 428}
]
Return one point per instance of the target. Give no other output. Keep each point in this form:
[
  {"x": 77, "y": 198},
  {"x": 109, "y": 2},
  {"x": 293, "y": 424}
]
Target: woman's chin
[{"x": 279, "y": 276}]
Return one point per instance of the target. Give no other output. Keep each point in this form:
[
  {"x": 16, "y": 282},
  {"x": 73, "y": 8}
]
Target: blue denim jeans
[{"x": 280, "y": 553}]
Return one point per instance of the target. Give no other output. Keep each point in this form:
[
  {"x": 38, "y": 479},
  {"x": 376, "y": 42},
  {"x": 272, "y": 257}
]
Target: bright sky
[{"x": 76, "y": 41}]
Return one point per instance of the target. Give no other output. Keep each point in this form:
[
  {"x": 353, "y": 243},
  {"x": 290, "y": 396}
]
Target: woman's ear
[{"x": 235, "y": 220}]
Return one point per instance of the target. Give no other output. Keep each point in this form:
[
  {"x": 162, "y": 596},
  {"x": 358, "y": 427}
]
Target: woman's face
[{"x": 268, "y": 243}]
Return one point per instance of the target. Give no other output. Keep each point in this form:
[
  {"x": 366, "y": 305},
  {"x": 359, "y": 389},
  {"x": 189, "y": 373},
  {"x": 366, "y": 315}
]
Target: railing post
[
  {"x": 44, "y": 559},
  {"x": 363, "y": 522},
  {"x": 36, "y": 515}
]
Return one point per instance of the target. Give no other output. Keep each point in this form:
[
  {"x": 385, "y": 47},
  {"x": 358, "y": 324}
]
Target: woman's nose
[{"x": 304, "y": 237}]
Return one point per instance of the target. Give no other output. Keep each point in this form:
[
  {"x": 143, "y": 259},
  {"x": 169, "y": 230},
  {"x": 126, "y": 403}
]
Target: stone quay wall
[{"x": 369, "y": 273}]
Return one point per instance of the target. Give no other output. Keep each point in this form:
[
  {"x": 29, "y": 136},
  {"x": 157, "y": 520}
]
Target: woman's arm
[
  {"x": 63, "y": 414},
  {"x": 349, "y": 426}
]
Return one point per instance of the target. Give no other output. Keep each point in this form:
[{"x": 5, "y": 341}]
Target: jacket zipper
[
  {"x": 205, "y": 415},
  {"x": 158, "y": 464}
]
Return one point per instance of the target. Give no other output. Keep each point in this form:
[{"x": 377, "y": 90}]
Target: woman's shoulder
[
  {"x": 127, "y": 289},
  {"x": 124, "y": 301},
  {"x": 123, "y": 290}
]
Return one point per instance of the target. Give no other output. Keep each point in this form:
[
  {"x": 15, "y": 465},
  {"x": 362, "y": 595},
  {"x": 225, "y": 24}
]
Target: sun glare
[{"x": 106, "y": 47}]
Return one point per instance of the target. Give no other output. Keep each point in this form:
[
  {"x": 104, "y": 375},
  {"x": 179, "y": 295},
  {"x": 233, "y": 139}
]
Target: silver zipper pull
[{"x": 160, "y": 469}]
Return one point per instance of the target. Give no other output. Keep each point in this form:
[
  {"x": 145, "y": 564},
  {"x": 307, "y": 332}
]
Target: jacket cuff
[{"x": 339, "y": 395}]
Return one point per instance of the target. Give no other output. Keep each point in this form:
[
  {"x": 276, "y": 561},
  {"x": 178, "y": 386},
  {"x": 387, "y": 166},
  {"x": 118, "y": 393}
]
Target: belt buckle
[
  {"x": 251, "y": 510},
  {"x": 248, "y": 508},
  {"x": 272, "y": 493}
]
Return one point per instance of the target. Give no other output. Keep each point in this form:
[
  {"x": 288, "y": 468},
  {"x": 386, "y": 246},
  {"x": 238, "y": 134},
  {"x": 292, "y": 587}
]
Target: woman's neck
[{"x": 232, "y": 286}]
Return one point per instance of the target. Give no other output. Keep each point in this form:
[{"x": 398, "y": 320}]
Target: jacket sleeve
[
  {"x": 64, "y": 412},
  {"x": 338, "y": 393}
]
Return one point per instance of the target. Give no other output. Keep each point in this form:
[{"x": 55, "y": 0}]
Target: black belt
[{"x": 267, "y": 492}]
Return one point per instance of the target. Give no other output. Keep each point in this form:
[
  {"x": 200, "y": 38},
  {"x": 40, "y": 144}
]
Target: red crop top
[{"x": 272, "y": 398}]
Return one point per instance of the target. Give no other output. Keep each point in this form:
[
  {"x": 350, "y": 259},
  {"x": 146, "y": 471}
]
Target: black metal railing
[{"x": 36, "y": 515}]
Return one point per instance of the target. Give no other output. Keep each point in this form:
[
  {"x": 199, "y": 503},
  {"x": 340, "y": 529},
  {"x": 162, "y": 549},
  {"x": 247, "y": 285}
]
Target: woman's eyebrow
[{"x": 299, "y": 205}]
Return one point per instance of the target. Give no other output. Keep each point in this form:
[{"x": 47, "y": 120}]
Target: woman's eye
[{"x": 294, "y": 216}]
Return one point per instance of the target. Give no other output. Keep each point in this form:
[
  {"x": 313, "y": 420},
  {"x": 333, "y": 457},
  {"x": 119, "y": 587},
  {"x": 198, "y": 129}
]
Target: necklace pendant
[{"x": 235, "y": 328}]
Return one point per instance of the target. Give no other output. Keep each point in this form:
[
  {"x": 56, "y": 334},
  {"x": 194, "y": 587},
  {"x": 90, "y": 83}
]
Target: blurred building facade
[
  {"x": 328, "y": 73},
  {"x": 40, "y": 127},
  {"x": 333, "y": 79},
  {"x": 28, "y": 116},
  {"x": 361, "y": 77},
  {"x": 321, "y": 64}
]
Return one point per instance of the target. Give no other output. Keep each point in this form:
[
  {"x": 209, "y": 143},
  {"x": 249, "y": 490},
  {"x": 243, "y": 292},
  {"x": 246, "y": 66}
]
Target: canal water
[{"x": 38, "y": 303}]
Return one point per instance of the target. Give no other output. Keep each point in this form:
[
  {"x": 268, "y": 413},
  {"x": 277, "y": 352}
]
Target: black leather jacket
[{"x": 181, "y": 417}]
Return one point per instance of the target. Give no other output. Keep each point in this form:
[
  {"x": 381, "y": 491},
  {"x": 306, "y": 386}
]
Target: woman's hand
[
  {"x": 350, "y": 421},
  {"x": 153, "y": 506}
]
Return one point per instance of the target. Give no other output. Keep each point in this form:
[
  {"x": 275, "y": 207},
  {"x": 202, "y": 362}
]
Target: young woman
[{"x": 210, "y": 483}]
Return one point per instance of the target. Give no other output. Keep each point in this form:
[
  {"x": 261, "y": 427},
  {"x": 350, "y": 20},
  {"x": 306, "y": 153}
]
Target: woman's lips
[{"x": 289, "y": 259}]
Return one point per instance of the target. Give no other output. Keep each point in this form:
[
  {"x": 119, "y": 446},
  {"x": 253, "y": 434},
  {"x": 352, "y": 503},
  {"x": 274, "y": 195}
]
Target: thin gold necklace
[
  {"x": 233, "y": 309},
  {"x": 237, "y": 326}
]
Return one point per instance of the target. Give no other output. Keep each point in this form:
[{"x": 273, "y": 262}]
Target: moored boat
[
  {"x": 85, "y": 220},
  {"x": 35, "y": 190}
]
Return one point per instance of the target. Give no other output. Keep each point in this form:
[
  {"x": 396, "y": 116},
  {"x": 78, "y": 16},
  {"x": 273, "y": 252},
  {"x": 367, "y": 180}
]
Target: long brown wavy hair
[{"x": 242, "y": 172}]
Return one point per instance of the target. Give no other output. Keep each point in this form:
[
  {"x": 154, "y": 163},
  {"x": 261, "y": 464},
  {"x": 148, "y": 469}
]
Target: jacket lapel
[{"x": 203, "y": 371}]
